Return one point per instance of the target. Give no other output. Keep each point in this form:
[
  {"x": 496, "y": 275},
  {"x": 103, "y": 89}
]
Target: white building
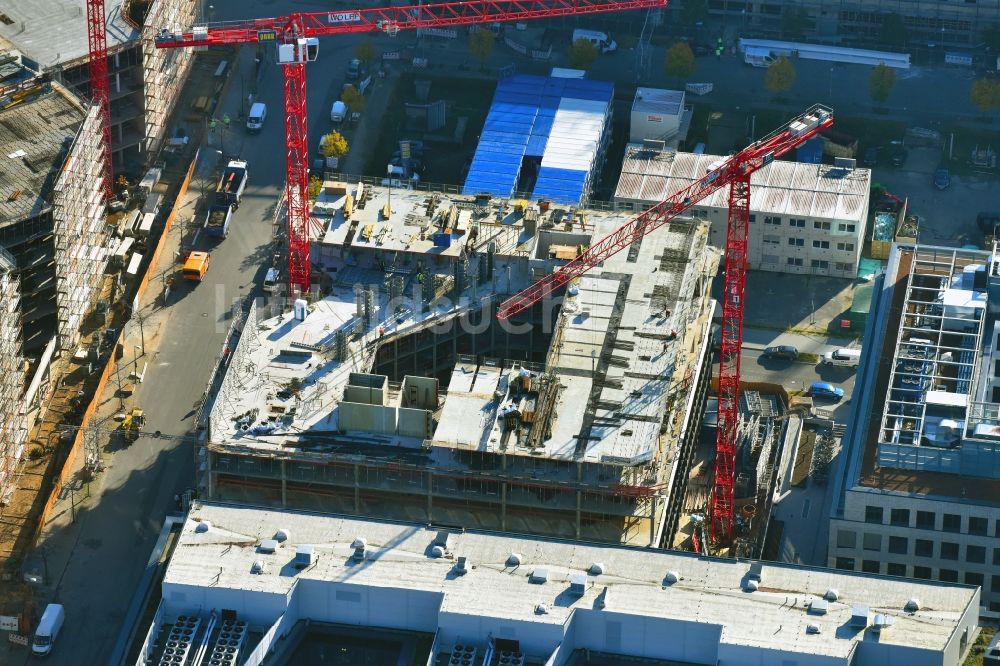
[
  {"x": 805, "y": 218},
  {"x": 542, "y": 601},
  {"x": 919, "y": 495},
  {"x": 658, "y": 115}
]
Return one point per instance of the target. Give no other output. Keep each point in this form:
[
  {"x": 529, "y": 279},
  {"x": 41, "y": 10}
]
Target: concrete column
[
  {"x": 284, "y": 486},
  {"x": 503, "y": 505},
  {"x": 579, "y": 503},
  {"x": 357, "y": 488},
  {"x": 210, "y": 490},
  {"x": 430, "y": 496},
  {"x": 652, "y": 521}
]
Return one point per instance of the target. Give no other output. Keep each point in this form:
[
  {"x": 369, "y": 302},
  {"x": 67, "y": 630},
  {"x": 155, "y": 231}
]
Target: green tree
[
  {"x": 582, "y": 54},
  {"x": 991, "y": 37},
  {"x": 794, "y": 22},
  {"x": 881, "y": 83},
  {"x": 985, "y": 95},
  {"x": 780, "y": 76},
  {"x": 680, "y": 61},
  {"x": 694, "y": 10},
  {"x": 315, "y": 185},
  {"x": 335, "y": 145},
  {"x": 365, "y": 52},
  {"x": 481, "y": 44},
  {"x": 353, "y": 98},
  {"x": 893, "y": 31}
]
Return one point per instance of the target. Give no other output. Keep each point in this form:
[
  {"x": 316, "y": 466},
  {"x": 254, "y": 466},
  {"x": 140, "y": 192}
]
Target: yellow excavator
[{"x": 134, "y": 421}]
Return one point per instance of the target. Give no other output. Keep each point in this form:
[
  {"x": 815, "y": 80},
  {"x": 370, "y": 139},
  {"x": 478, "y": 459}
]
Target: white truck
[
  {"x": 48, "y": 629},
  {"x": 601, "y": 40},
  {"x": 338, "y": 112}
]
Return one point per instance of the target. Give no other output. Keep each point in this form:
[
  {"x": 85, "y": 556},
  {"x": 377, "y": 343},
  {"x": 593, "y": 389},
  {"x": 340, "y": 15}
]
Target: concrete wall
[
  {"x": 744, "y": 655},
  {"x": 420, "y": 392},
  {"x": 259, "y": 609},
  {"x": 414, "y": 423},
  {"x": 393, "y": 608},
  {"x": 537, "y": 639},
  {"x": 650, "y": 637},
  {"x": 367, "y": 418}
]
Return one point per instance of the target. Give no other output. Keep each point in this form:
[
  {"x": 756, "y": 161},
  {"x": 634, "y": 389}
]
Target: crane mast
[
  {"x": 297, "y": 38},
  {"x": 733, "y": 172},
  {"x": 100, "y": 90}
]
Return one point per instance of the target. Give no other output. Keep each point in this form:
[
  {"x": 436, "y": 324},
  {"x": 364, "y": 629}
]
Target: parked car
[
  {"x": 942, "y": 178},
  {"x": 786, "y": 352},
  {"x": 354, "y": 69},
  {"x": 871, "y": 156},
  {"x": 826, "y": 390}
]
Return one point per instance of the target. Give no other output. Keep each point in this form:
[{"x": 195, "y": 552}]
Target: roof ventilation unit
[
  {"x": 515, "y": 560},
  {"x": 541, "y": 609},
  {"x": 462, "y": 566},
  {"x": 596, "y": 569},
  {"x": 538, "y": 576},
  {"x": 819, "y": 607},
  {"x": 812, "y": 628},
  {"x": 882, "y": 622},
  {"x": 463, "y": 655},
  {"x": 859, "y": 617},
  {"x": 578, "y": 585},
  {"x": 359, "y": 544},
  {"x": 832, "y": 594},
  {"x": 257, "y": 567},
  {"x": 602, "y": 599},
  {"x": 305, "y": 556},
  {"x": 230, "y": 640},
  {"x": 437, "y": 551},
  {"x": 672, "y": 577},
  {"x": 282, "y": 535},
  {"x": 180, "y": 640},
  {"x": 268, "y": 546},
  {"x": 203, "y": 527},
  {"x": 912, "y": 605},
  {"x": 752, "y": 586}
]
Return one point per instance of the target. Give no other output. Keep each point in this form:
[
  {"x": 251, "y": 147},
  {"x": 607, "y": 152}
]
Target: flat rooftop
[
  {"x": 54, "y": 32},
  {"x": 35, "y": 137},
  {"x": 935, "y": 425},
  {"x": 780, "y": 188},
  {"x": 219, "y": 545}
]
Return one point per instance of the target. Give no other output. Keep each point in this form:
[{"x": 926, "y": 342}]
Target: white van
[
  {"x": 258, "y": 114},
  {"x": 48, "y": 630},
  {"x": 601, "y": 41},
  {"x": 849, "y": 358},
  {"x": 338, "y": 112}
]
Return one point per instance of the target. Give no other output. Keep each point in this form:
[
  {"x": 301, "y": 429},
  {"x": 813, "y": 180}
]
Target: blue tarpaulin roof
[{"x": 519, "y": 124}]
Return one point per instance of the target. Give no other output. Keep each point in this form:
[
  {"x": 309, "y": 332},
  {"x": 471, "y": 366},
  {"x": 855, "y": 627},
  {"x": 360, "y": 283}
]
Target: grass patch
[
  {"x": 808, "y": 357},
  {"x": 975, "y": 657}
]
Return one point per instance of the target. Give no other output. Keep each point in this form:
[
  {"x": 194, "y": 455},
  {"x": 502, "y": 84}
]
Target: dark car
[
  {"x": 988, "y": 221},
  {"x": 898, "y": 155},
  {"x": 354, "y": 69},
  {"x": 787, "y": 352},
  {"x": 942, "y": 178},
  {"x": 871, "y": 156}
]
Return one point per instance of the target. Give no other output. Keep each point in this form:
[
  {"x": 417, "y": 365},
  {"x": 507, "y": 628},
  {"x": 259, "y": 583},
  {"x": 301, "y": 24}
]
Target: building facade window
[
  {"x": 841, "y": 266},
  {"x": 847, "y": 539},
  {"x": 922, "y": 572},
  {"x": 849, "y": 228},
  {"x": 923, "y": 548},
  {"x": 948, "y": 576},
  {"x": 895, "y": 569},
  {"x": 846, "y": 563},
  {"x": 898, "y": 545},
  {"x": 925, "y": 520},
  {"x": 821, "y": 244},
  {"x": 975, "y": 554},
  {"x": 870, "y": 566},
  {"x": 952, "y": 522},
  {"x": 977, "y": 526},
  {"x": 873, "y": 514},
  {"x": 797, "y": 242},
  {"x": 823, "y": 226},
  {"x": 996, "y": 528},
  {"x": 845, "y": 247},
  {"x": 973, "y": 578},
  {"x": 995, "y": 583},
  {"x": 753, "y": 218},
  {"x": 872, "y": 541},
  {"x": 949, "y": 550},
  {"x": 771, "y": 239},
  {"x": 821, "y": 264},
  {"x": 899, "y": 517},
  {"x": 996, "y": 556},
  {"x": 794, "y": 261},
  {"x": 799, "y": 224},
  {"x": 771, "y": 220},
  {"x": 770, "y": 259}
]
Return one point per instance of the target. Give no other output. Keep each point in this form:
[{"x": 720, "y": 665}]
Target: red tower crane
[
  {"x": 297, "y": 38},
  {"x": 100, "y": 90},
  {"x": 735, "y": 172}
]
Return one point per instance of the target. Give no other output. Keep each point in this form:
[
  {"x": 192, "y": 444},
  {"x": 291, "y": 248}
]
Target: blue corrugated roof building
[{"x": 559, "y": 122}]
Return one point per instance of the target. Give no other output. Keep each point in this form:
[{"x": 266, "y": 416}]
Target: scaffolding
[
  {"x": 164, "y": 70},
  {"x": 79, "y": 230},
  {"x": 13, "y": 430}
]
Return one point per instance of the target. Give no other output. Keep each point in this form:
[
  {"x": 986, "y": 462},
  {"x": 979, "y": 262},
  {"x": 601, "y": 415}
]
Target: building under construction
[
  {"x": 51, "y": 38},
  {"x": 399, "y": 394},
  {"x": 12, "y": 421}
]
